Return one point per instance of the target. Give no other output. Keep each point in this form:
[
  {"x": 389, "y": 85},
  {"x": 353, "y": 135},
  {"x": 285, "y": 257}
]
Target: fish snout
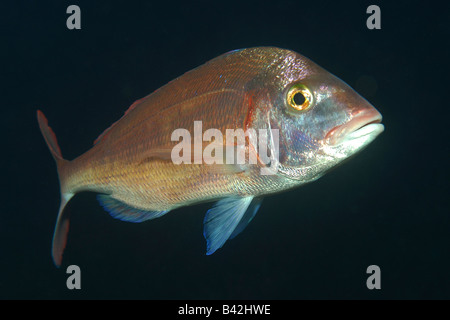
[{"x": 363, "y": 121}]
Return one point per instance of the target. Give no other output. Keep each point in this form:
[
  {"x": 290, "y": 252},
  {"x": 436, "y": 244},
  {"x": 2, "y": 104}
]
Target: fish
[{"x": 142, "y": 166}]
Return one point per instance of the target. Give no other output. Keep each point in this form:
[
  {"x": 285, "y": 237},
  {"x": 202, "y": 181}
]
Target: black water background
[{"x": 388, "y": 206}]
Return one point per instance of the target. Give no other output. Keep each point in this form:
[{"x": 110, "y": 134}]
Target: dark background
[{"x": 388, "y": 206}]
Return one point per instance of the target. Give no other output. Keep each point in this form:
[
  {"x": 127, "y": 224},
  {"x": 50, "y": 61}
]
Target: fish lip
[{"x": 363, "y": 123}]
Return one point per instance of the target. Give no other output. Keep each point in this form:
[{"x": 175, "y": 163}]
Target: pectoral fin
[{"x": 227, "y": 218}]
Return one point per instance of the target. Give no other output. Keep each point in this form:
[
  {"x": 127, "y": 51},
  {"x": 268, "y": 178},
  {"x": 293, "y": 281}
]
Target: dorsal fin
[{"x": 105, "y": 133}]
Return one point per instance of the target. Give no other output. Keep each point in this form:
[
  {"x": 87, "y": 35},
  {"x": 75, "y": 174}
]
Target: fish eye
[{"x": 299, "y": 97}]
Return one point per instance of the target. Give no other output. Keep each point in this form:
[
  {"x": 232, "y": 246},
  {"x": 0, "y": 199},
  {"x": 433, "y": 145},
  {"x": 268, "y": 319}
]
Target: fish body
[{"x": 312, "y": 121}]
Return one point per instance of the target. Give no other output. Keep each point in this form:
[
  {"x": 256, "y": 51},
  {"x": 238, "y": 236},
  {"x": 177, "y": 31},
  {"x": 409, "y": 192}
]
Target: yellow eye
[{"x": 299, "y": 97}]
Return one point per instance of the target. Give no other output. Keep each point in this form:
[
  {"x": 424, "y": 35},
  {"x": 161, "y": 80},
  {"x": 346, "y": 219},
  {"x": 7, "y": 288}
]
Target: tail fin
[{"x": 62, "y": 222}]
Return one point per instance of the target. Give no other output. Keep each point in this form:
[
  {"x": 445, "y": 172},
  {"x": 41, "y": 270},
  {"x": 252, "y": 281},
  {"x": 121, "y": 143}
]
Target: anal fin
[{"x": 122, "y": 211}]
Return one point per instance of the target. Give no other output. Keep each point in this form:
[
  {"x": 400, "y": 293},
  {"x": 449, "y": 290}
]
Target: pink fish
[{"x": 320, "y": 122}]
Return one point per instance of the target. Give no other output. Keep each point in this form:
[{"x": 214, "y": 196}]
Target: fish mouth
[{"x": 366, "y": 123}]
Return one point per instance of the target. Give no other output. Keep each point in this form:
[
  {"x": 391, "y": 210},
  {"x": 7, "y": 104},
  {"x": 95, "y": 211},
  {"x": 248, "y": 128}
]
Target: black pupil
[{"x": 299, "y": 98}]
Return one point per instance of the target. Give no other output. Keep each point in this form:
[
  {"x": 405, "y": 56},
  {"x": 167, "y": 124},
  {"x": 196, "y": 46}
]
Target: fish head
[{"x": 321, "y": 121}]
